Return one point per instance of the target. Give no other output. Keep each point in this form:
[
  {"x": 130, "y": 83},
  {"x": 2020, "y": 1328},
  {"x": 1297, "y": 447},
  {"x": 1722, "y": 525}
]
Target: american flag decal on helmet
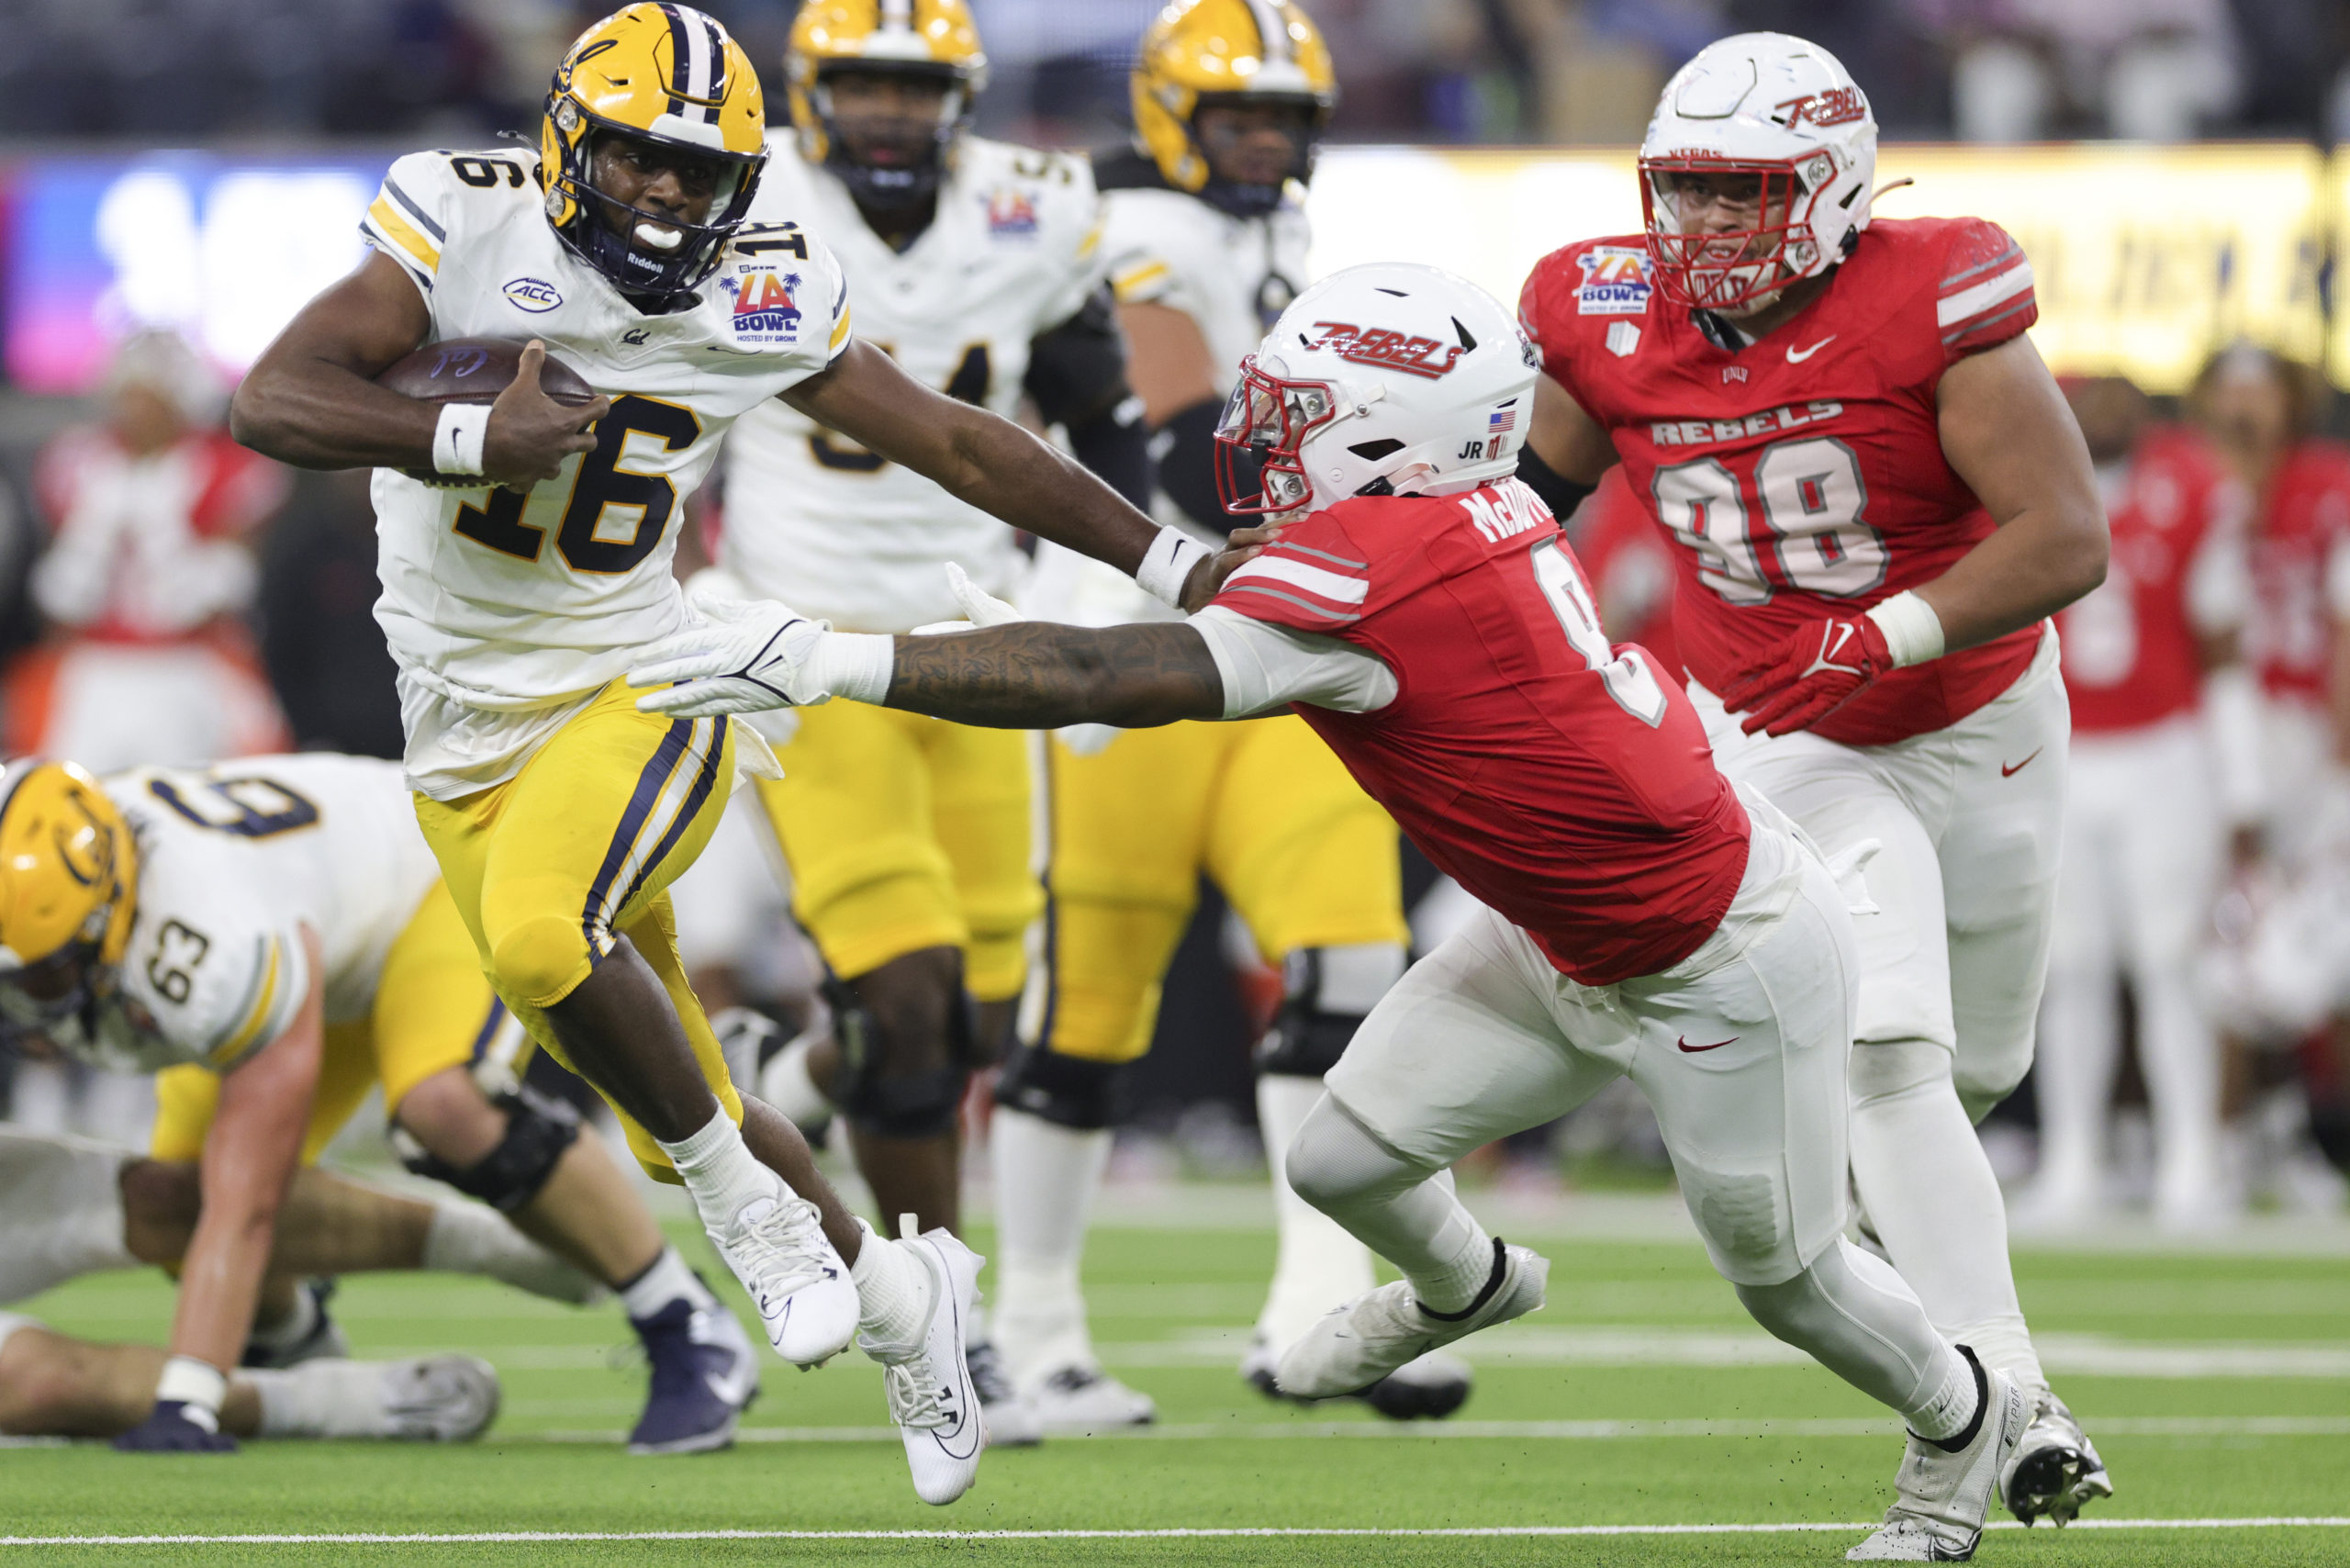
[{"x": 1503, "y": 420}]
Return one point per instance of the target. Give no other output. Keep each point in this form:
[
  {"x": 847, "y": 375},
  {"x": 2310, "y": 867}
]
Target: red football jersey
[
  {"x": 1630, "y": 568},
  {"x": 1557, "y": 776},
  {"x": 1802, "y": 476},
  {"x": 2301, "y": 519},
  {"x": 2131, "y": 653}
]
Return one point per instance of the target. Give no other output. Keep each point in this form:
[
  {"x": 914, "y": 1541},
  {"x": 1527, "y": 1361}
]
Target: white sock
[
  {"x": 785, "y": 1083},
  {"x": 664, "y": 1281},
  {"x": 721, "y": 1174},
  {"x": 1046, "y": 1176},
  {"x": 1465, "y": 1255},
  {"x": 1951, "y": 1406},
  {"x": 1929, "y": 1191},
  {"x": 893, "y": 1294},
  {"x": 1318, "y": 1266},
  {"x": 473, "y": 1238},
  {"x": 322, "y": 1399}
]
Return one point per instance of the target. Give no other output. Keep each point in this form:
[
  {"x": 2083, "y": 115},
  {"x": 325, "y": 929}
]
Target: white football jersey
[
  {"x": 501, "y": 602},
  {"x": 830, "y": 528},
  {"x": 233, "y": 861},
  {"x": 1234, "y": 277}
]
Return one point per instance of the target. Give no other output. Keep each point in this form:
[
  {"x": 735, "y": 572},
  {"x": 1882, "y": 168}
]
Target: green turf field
[{"x": 2218, "y": 1387}]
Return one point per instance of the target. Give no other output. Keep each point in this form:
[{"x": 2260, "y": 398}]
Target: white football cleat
[
  {"x": 2054, "y": 1472},
  {"x": 438, "y": 1399},
  {"x": 1427, "y": 1387},
  {"x": 795, "y": 1277},
  {"x": 1012, "y": 1420},
  {"x": 1355, "y": 1346},
  {"x": 929, "y": 1382},
  {"x": 1942, "y": 1497},
  {"x": 1080, "y": 1399}
]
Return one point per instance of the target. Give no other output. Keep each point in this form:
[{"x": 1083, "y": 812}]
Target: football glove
[
  {"x": 178, "y": 1426},
  {"x": 744, "y": 657},
  {"x": 980, "y": 608},
  {"x": 1810, "y": 675}
]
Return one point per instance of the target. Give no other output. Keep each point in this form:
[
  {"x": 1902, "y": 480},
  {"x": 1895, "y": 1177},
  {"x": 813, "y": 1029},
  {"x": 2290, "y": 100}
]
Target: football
[{"x": 474, "y": 370}]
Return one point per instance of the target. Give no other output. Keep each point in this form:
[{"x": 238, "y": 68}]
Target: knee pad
[
  {"x": 885, "y": 1102},
  {"x": 1333, "y": 1161},
  {"x": 539, "y": 959},
  {"x": 538, "y": 1129},
  {"x": 1326, "y": 992},
  {"x": 1070, "y": 1091},
  {"x": 1887, "y": 1069}
]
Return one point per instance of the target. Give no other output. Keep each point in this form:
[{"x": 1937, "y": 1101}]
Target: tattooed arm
[{"x": 1034, "y": 674}]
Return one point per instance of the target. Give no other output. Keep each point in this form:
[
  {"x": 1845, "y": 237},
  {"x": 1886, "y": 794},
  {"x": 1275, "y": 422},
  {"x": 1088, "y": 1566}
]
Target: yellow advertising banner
[{"x": 2146, "y": 259}]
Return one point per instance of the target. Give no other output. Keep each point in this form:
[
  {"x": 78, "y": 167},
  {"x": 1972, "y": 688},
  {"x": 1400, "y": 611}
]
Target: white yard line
[{"x": 1278, "y": 1532}]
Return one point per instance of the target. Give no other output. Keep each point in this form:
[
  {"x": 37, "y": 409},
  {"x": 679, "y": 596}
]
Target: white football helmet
[
  {"x": 1773, "y": 106},
  {"x": 1383, "y": 379}
]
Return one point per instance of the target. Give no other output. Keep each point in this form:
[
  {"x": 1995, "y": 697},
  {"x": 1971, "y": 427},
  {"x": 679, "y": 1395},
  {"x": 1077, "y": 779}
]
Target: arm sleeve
[
  {"x": 1560, "y": 494},
  {"x": 1185, "y": 446},
  {"x": 409, "y": 218},
  {"x": 1985, "y": 295},
  {"x": 1266, "y": 666},
  {"x": 1076, "y": 374}
]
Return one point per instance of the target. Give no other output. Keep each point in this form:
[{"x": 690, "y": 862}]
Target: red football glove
[{"x": 1809, "y": 675}]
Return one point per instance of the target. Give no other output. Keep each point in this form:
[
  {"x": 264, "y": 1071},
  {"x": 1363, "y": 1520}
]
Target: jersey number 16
[{"x": 615, "y": 514}]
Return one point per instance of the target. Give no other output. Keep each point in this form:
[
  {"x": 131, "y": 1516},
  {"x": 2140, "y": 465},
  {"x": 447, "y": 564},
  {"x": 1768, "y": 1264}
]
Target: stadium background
[{"x": 202, "y": 164}]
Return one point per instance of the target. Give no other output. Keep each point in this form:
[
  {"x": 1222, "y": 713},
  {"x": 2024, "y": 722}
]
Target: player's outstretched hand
[
  {"x": 980, "y": 608},
  {"x": 169, "y": 1428},
  {"x": 1814, "y": 672},
  {"x": 529, "y": 434},
  {"x": 744, "y": 656},
  {"x": 1207, "y": 578}
]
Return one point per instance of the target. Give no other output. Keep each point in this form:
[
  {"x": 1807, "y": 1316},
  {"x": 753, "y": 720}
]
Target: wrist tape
[
  {"x": 1167, "y": 566},
  {"x": 1913, "y": 632},
  {"x": 198, "y": 1384}
]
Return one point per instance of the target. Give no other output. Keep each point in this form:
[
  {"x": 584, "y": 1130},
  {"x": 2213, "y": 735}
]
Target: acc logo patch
[
  {"x": 1010, "y": 213},
  {"x": 764, "y": 310},
  {"x": 534, "y": 295},
  {"x": 1614, "y": 281}
]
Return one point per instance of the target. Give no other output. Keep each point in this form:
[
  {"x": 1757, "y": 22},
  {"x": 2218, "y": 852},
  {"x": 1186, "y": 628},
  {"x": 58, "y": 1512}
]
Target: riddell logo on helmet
[
  {"x": 1386, "y": 349},
  {"x": 1837, "y": 105}
]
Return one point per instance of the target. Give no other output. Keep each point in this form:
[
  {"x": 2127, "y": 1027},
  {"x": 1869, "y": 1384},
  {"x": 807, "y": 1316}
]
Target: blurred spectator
[
  {"x": 325, "y": 655},
  {"x": 2140, "y": 70},
  {"x": 2160, "y": 695},
  {"x": 145, "y": 577}
]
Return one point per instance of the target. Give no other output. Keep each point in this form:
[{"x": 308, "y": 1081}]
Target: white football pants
[
  {"x": 1970, "y": 820},
  {"x": 2143, "y": 856},
  {"x": 60, "y": 1211}
]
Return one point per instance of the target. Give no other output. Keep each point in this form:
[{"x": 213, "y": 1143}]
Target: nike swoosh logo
[
  {"x": 2008, "y": 772},
  {"x": 1718, "y": 1045},
  {"x": 1797, "y": 356}
]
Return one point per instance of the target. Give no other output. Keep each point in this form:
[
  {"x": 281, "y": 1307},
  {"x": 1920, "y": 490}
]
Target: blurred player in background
[
  {"x": 274, "y": 937},
  {"x": 977, "y": 266},
  {"x": 1644, "y": 918},
  {"x": 2165, "y": 763},
  {"x": 1206, "y": 245},
  {"x": 523, "y": 581},
  {"x": 1630, "y": 569},
  {"x": 1878, "y": 497}
]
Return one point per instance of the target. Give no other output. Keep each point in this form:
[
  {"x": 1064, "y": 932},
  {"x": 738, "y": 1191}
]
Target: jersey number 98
[
  {"x": 1813, "y": 538},
  {"x": 616, "y": 513}
]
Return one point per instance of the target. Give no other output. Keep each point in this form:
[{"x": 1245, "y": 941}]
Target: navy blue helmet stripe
[
  {"x": 717, "y": 92},
  {"x": 680, "y": 63}
]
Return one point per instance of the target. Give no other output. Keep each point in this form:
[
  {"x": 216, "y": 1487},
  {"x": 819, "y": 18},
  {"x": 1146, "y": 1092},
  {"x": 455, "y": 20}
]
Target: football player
[
  {"x": 274, "y": 938},
  {"x": 639, "y": 244},
  {"x": 1205, "y": 240},
  {"x": 2166, "y": 763},
  {"x": 1420, "y": 608},
  {"x": 1878, "y": 497},
  {"x": 979, "y": 269},
  {"x": 70, "y": 1207}
]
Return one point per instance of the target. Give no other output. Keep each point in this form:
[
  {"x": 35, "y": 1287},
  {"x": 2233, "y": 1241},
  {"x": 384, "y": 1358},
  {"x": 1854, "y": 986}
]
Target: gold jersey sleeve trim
[
  {"x": 233, "y": 1049},
  {"x": 388, "y": 224}
]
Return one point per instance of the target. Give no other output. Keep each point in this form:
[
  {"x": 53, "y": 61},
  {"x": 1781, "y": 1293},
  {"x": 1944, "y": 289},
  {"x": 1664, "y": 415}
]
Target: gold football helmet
[
  {"x": 667, "y": 74},
  {"x": 1211, "y": 51},
  {"x": 69, "y": 870},
  {"x": 935, "y": 38}
]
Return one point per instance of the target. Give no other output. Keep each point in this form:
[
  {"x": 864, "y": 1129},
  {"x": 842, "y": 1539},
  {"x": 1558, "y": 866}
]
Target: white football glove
[
  {"x": 744, "y": 657},
  {"x": 980, "y": 608},
  {"x": 1088, "y": 740}
]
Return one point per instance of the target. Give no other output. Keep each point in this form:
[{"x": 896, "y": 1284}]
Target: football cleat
[
  {"x": 795, "y": 1276},
  {"x": 929, "y": 1382},
  {"x": 1012, "y": 1420},
  {"x": 1080, "y": 1399},
  {"x": 705, "y": 1375},
  {"x": 438, "y": 1399},
  {"x": 1355, "y": 1346},
  {"x": 324, "y": 1341},
  {"x": 1424, "y": 1388},
  {"x": 2054, "y": 1472},
  {"x": 1941, "y": 1497}
]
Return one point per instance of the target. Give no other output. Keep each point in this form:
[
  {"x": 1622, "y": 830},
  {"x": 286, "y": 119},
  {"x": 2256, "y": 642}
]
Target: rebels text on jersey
[
  {"x": 2132, "y": 651},
  {"x": 1802, "y": 476},
  {"x": 1555, "y": 776}
]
